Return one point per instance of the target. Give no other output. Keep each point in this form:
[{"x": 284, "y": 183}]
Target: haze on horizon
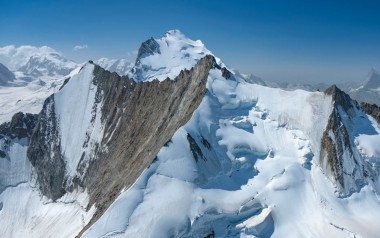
[{"x": 296, "y": 41}]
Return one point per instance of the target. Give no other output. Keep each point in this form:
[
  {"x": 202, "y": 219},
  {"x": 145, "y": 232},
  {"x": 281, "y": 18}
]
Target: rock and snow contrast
[{"x": 183, "y": 146}]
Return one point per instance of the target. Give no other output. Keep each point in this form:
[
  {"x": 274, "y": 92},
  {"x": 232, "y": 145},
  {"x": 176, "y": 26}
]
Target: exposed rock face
[
  {"x": 195, "y": 150},
  {"x": 148, "y": 47},
  {"x": 138, "y": 119},
  {"x": 14, "y": 138},
  {"x": 339, "y": 97},
  {"x": 20, "y": 126},
  {"x": 154, "y": 111},
  {"x": 339, "y": 158},
  {"x": 372, "y": 110},
  {"x": 44, "y": 153}
]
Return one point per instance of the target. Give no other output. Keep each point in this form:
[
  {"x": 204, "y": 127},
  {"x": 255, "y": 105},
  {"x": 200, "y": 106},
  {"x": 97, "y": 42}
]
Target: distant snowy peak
[
  {"x": 166, "y": 57},
  {"x": 373, "y": 80},
  {"x": 147, "y": 48},
  {"x": 51, "y": 64},
  {"x": 120, "y": 66},
  {"x": 369, "y": 91},
  {"x": 15, "y": 57},
  {"x": 6, "y": 76}
]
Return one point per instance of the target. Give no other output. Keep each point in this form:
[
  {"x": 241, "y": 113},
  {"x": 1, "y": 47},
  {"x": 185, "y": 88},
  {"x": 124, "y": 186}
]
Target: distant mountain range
[{"x": 369, "y": 91}]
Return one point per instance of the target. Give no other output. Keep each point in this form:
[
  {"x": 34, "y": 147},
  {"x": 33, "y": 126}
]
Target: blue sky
[{"x": 313, "y": 41}]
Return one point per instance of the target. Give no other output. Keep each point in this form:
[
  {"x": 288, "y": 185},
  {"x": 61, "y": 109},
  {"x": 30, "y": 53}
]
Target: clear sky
[{"x": 314, "y": 41}]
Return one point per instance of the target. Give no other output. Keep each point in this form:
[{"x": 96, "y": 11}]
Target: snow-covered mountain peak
[
  {"x": 166, "y": 57},
  {"x": 373, "y": 80},
  {"x": 15, "y": 57},
  {"x": 176, "y": 33},
  {"x": 369, "y": 91},
  {"x": 339, "y": 97},
  {"x": 50, "y": 64}
]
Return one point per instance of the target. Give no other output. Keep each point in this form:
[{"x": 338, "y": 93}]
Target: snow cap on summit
[{"x": 166, "y": 57}]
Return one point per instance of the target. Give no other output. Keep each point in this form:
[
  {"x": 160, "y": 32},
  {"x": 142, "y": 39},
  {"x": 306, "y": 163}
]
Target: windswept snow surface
[{"x": 258, "y": 176}]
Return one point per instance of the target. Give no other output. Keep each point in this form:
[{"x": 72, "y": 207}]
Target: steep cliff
[
  {"x": 372, "y": 110},
  {"x": 125, "y": 125},
  {"x": 340, "y": 158}
]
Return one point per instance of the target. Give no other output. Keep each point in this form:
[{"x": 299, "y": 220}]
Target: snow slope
[
  {"x": 172, "y": 53},
  {"x": 24, "y": 212},
  {"x": 245, "y": 165},
  {"x": 29, "y": 98},
  {"x": 38, "y": 73},
  {"x": 79, "y": 118}
]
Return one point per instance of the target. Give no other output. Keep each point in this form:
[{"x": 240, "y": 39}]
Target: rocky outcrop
[
  {"x": 20, "y": 126},
  {"x": 371, "y": 109},
  {"x": 138, "y": 119},
  {"x": 339, "y": 158},
  {"x": 14, "y": 138},
  {"x": 44, "y": 153},
  {"x": 147, "y": 48}
]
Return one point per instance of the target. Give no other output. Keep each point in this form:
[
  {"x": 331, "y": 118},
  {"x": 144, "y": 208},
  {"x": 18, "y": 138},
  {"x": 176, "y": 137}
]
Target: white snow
[
  {"x": 15, "y": 167},
  {"x": 15, "y": 57},
  {"x": 368, "y": 138},
  {"x": 78, "y": 118},
  {"x": 23, "y": 210},
  {"x": 261, "y": 178},
  {"x": 29, "y": 98},
  {"x": 24, "y": 213},
  {"x": 177, "y": 52}
]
